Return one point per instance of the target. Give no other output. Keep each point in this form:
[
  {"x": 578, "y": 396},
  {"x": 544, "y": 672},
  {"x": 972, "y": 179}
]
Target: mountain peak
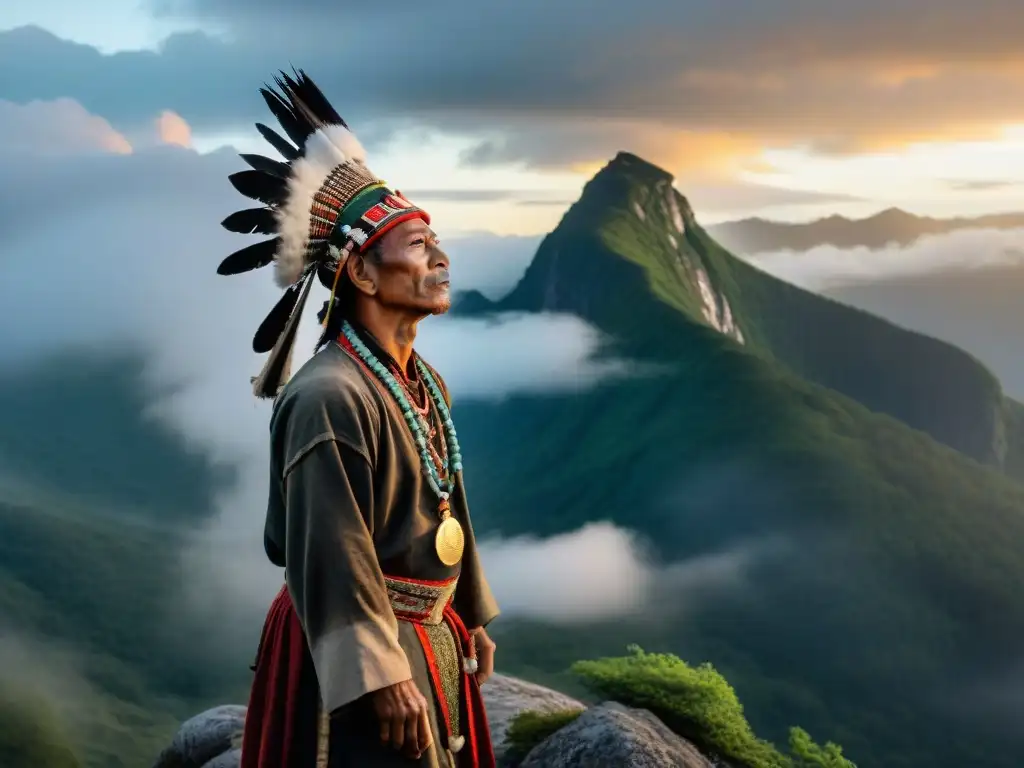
[
  {"x": 627, "y": 256},
  {"x": 627, "y": 162},
  {"x": 893, "y": 215}
]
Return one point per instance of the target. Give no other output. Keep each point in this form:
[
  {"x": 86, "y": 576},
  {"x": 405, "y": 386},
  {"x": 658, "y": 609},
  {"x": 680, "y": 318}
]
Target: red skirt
[{"x": 281, "y": 723}]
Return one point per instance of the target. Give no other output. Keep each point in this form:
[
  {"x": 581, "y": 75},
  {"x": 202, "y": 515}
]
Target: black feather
[
  {"x": 249, "y": 258},
  {"x": 257, "y": 185},
  {"x": 279, "y": 362},
  {"x": 325, "y": 274},
  {"x": 278, "y": 142},
  {"x": 297, "y": 128},
  {"x": 250, "y": 221},
  {"x": 313, "y": 97},
  {"x": 267, "y": 165},
  {"x": 273, "y": 324}
]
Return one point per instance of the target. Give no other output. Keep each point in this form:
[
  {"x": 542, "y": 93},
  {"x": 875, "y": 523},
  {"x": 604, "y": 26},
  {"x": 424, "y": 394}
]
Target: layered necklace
[{"x": 439, "y": 470}]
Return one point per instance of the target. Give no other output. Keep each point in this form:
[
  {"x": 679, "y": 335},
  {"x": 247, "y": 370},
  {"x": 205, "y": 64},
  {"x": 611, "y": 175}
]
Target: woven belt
[
  {"x": 444, "y": 640},
  {"x": 420, "y": 602},
  {"x": 426, "y": 605}
]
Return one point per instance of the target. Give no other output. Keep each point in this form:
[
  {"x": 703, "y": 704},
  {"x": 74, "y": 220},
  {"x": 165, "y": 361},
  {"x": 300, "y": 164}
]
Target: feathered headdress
[{"x": 320, "y": 203}]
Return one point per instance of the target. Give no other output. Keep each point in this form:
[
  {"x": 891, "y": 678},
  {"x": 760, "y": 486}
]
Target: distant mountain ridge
[{"x": 892, "y": 226}]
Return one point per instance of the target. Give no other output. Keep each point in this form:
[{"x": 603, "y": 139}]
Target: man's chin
[
  {"x": 442, "y": 301},
  {"x": 441, "y": 307}
]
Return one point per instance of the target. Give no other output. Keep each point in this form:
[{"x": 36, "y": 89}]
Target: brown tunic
[{"x": 348, "y": 505}]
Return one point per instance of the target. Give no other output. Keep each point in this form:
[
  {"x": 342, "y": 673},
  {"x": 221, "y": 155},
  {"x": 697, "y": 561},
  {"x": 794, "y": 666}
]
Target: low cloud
[
  {"x": 711, "y": 197},
  {"x": 603, "y": 572},
  {"x": 173, "y": 129},
  {"x": 518, "y": 353},
  {"x": 59, "y": 128},
  {"x": 491, "y": 264},
  {"x": 981, "y": 185},
  {"x": 827, "y": 267},
  {"x": 52, "y": 673}
]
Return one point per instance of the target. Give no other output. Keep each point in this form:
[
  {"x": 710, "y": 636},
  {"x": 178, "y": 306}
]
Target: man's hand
[
  {"x": 484, "y": 647},
  {"x": 401, "y": 712}
]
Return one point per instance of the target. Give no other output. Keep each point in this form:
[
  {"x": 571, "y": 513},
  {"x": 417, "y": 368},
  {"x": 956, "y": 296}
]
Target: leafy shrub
[{"x": 807, "y": 754}]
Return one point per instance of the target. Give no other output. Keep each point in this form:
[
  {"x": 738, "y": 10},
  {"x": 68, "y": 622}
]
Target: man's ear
[{"x": 362, "y": 274}]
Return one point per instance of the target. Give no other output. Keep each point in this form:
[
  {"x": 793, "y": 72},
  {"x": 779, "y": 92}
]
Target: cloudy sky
[{"x": 495, "y": 113}]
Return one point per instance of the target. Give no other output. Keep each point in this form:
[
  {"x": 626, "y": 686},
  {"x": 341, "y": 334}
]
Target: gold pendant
[{"x": 449, "y": 541}]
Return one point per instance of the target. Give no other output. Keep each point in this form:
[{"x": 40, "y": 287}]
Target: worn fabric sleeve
[{"x": 332, "y": 571}]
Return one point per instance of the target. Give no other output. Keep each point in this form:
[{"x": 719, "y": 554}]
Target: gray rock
[
  {"x": 205, "y": 738},
  {"x": 612, "y": 736},
  {"x": 505, "y": 697}
]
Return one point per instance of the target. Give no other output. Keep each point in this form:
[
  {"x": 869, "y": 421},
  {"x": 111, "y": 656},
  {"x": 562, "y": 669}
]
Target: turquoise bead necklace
[{"x": 442, "y": 487}]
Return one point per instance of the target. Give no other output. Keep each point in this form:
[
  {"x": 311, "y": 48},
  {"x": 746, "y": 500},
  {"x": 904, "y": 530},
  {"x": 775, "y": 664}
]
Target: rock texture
[
  {"x": 612, "y": 736},
  {"x": 604, "y": 736},
  {"x": 505, "y": 697},
  {"x": 208, "y": 740}
]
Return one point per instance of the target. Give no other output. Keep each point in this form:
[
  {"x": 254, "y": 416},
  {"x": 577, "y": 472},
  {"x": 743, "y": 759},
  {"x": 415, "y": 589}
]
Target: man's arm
[{"x": 333, "y": 575}]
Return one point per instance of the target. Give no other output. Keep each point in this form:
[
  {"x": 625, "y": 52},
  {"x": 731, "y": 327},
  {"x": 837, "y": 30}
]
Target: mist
[
  {"x": 52, "y": 673},
  {"x": 603, "y": 572},
  {"x": 828, "y": 267}
]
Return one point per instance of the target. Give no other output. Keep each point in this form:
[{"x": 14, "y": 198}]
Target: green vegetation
[
  {"x": 94, "y": 509},
  {"x": 699, "y": 705},
  {"x": 88, "y": 601},
  {"x": 30, "y": 736},
  {"x": 528, "y": 729},
  {"x": 804, "y": 753}
]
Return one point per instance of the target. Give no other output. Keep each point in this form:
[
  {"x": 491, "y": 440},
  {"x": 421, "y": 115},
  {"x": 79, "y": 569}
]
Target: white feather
[{"x": 326, "y": 149}]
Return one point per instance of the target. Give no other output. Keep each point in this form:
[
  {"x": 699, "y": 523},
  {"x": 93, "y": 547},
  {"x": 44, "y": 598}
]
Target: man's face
[{"x": 411, "y": 272}]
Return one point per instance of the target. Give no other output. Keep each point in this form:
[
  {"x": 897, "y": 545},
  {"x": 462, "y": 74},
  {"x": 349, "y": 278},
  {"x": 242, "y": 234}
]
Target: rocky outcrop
[
  {"x": 612, "y": 736},
  {"x": 607, "y": 735},
  {"x": 505, "y": 697},
  {"x": 211, "y": 739}
]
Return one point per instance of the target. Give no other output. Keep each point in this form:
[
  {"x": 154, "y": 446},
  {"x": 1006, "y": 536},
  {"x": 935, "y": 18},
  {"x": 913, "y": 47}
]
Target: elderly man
[{"x": 373, "y": 652}]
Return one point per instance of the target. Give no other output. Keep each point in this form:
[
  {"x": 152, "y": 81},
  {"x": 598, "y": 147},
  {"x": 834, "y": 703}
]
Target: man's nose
[{"x": 438, "y": 258}]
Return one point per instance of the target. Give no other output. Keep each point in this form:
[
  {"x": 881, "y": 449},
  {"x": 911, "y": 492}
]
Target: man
[{"x": 373, "y": 652}]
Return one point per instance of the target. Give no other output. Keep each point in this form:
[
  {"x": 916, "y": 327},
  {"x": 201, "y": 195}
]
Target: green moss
[
  {"x": 699, "y": 704},
  {"x": 530, "y": 728},
  {"x": 806, "y": 754},
  {"x": 695, "y": 702}
]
